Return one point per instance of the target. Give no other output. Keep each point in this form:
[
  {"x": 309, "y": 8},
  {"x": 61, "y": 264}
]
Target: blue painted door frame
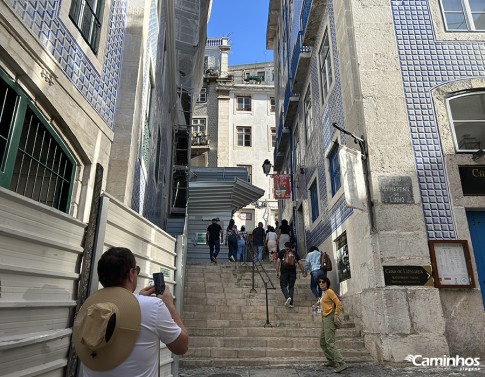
[{"x": 476, "y": 223}]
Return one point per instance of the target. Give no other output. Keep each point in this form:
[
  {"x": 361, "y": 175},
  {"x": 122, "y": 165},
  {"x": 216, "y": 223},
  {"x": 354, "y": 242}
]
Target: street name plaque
[{"x": 396, "y": 190}]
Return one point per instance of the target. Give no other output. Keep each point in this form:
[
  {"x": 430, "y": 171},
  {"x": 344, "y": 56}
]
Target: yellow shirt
[{"x": 330, "y": 301}]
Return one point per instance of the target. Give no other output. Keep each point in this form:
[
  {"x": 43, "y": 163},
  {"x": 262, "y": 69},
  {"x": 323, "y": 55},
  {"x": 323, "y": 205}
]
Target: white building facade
[{"x": 233, "y": 125}]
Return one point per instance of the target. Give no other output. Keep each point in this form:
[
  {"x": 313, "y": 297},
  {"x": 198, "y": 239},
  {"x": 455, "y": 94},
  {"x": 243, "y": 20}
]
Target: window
[
  {"x": 249, "y": 168},
  {"x": 243, "y": 103},
  {"x": 33, "y": 160},
  {"x": 202, "y": 96},
  {"x": 262, "y": 75},
  {"x": 325, "y": 61},
  {"x": 464, "y": 15},
  {"x": 315, "y": 212},
  {"x": 273, "y": 137},
  {"x": 199, "y": 125},
  {"x": 272, "y": 105},
  {"x": 334, "y": 165},
  {"x": 243, "y": 136},
  {"x": 308, "y": 115},
  {"x": 343, "y": 262},
  {"x": 467, "y": 113},
  {"x": 86, "y": 15}
]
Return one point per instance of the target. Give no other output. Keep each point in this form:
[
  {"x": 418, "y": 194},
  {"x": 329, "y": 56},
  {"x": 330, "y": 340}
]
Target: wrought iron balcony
[
  {"x": 200, "y": 144},
  {"x": 310, "y": 19}
]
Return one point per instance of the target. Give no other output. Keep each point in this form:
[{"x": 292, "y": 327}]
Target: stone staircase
[{"x": 228, "y": 326}]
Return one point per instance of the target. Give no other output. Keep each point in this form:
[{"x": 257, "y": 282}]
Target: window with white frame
[
  {"x": 86, "y": 15},
  {"x": 199, "y": 125},
  {"x": 326, "y": 71},
  {"x": 243, "y": 136},
  {"x": 243, "y": 103},
  {"x": 334, "y": 170},
  {"x": 272, "y": 104},
  {"x": 467, "y": 114},
  {"x": 273, "y": 137},
  {"x": 463, "y": 15},
  {"x": 315, "y": 210},
  {"x": 203, "y": 95},
  {"x": 308, "y": 115}
]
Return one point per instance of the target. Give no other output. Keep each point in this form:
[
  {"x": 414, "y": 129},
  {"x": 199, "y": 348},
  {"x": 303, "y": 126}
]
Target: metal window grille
[
  {"x": 42, "y": 170},
  {"x": 86, "y": 16},
  {"x": 8, "y": 104}
]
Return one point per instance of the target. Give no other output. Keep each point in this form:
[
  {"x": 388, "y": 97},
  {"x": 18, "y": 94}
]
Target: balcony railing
[{"x": 199, "y": 140}]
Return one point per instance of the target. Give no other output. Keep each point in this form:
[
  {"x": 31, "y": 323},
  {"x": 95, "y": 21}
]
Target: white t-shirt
[
  {"x": 156, "y": 325},
  {"x": 271, "y": 236}
]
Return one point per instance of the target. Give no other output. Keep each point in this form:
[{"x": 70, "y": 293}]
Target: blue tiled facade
[
  {"x": 425, "y": 64},
  {"x": 99, "y": 89},
  {"x": 322, "y": 135}
]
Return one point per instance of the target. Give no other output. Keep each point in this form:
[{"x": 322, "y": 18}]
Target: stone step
[
  {"x": 344, "y": 332},
  {"x": 271, "y": 342},
  {"x": 228, "y": 326},
  {"x": 238, "y": 323},
  {"x": 201, "y": 362}
]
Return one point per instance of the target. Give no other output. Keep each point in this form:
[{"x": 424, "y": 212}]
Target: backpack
[
  {"x": 325, "y": 261},
  {"x": 289, "y": 260}
]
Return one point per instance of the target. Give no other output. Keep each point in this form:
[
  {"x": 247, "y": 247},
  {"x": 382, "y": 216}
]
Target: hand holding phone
[{"x": 159, "y": 282}]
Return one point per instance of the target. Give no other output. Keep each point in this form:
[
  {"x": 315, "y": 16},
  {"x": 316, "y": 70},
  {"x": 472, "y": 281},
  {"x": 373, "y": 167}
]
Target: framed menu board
[{"x": 452, "y": 266}]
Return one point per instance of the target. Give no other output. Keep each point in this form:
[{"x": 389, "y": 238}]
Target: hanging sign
[{"x": 281, "y": 184}]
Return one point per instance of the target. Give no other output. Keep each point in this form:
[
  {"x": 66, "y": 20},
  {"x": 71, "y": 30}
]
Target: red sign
[
  {"x": 281, "y": 184},
  {"x": 245, "y": 216}
]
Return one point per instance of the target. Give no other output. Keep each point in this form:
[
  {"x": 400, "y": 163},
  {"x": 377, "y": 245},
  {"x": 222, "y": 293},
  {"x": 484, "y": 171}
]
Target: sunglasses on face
[{"x": 136, "y": 268}]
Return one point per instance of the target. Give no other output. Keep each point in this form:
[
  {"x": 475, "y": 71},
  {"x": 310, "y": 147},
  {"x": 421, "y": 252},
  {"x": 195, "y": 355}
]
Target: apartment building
[
  {"x": 233, "y": 125},
  {"x": 92, "y": 96},
  {"x": 380, "y": 108}
]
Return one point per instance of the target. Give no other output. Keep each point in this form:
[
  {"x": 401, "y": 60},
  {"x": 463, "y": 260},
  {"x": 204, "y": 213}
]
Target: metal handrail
[{"x": 268, "y": 283}]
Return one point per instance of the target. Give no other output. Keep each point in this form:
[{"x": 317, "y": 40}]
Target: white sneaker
[
  {"x": 232, "y": 259},
  {"x": 288, "y": 300}
]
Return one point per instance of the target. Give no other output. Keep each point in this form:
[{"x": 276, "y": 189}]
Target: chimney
[{"x": 225, "y": 48}]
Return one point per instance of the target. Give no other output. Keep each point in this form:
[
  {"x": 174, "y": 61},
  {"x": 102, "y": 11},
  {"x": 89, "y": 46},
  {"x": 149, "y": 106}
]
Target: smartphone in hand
[{"x": 159, "y": 282}]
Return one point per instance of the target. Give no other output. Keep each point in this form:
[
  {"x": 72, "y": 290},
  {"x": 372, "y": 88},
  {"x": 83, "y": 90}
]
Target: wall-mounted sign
[
  {"x": 452, "y": 265},
  {"x": 472, "y": 179},
  {"x": 281, "y": 184},
  {"x": 245, "y": 216},
  {"x": 408, "y": 275},
  {"x": 396, "y": 190},
  {"x": 200, "y": 238}
]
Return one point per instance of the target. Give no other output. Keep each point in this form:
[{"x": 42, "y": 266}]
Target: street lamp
[{"x": 266, "y": 166}]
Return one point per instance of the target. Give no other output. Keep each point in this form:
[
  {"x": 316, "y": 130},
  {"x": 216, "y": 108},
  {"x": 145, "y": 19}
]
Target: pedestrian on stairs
[
  {"x": 231, "y": 240},
  {"x": 242, "y": 250},
  {"x": 312, "y": 264},
  {"x": 286, "y": 264},
  {"x": 331, "y": 307},
  {"x": 258, "y": 242},
  {"x": 214, "y": 237}
]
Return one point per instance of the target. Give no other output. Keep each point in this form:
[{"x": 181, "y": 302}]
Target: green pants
[{"x": 327, "y": 340}]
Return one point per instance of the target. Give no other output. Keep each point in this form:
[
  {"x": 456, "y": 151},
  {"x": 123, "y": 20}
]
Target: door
[{"x": 476, "y": 223}]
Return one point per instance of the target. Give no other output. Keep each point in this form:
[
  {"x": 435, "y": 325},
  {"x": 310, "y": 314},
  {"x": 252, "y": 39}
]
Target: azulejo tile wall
[
  {"x": 425, "y": 64},
  {"x": 99, "y": 89}
]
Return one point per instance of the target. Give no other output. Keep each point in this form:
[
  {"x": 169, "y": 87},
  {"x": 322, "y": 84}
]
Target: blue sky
[{"x": 244, "y": 22}]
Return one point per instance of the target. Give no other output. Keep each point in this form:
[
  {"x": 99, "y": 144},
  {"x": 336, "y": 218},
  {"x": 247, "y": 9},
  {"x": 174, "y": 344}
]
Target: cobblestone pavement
[{"x": 354, "y": 370}]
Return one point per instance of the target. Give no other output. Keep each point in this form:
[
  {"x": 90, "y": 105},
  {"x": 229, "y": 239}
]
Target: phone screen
[{"x": 159, "y": 282}]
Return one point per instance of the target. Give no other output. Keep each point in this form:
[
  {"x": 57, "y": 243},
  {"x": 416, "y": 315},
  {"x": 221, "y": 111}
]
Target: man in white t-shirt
[{"x": 135, "y": 324}]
